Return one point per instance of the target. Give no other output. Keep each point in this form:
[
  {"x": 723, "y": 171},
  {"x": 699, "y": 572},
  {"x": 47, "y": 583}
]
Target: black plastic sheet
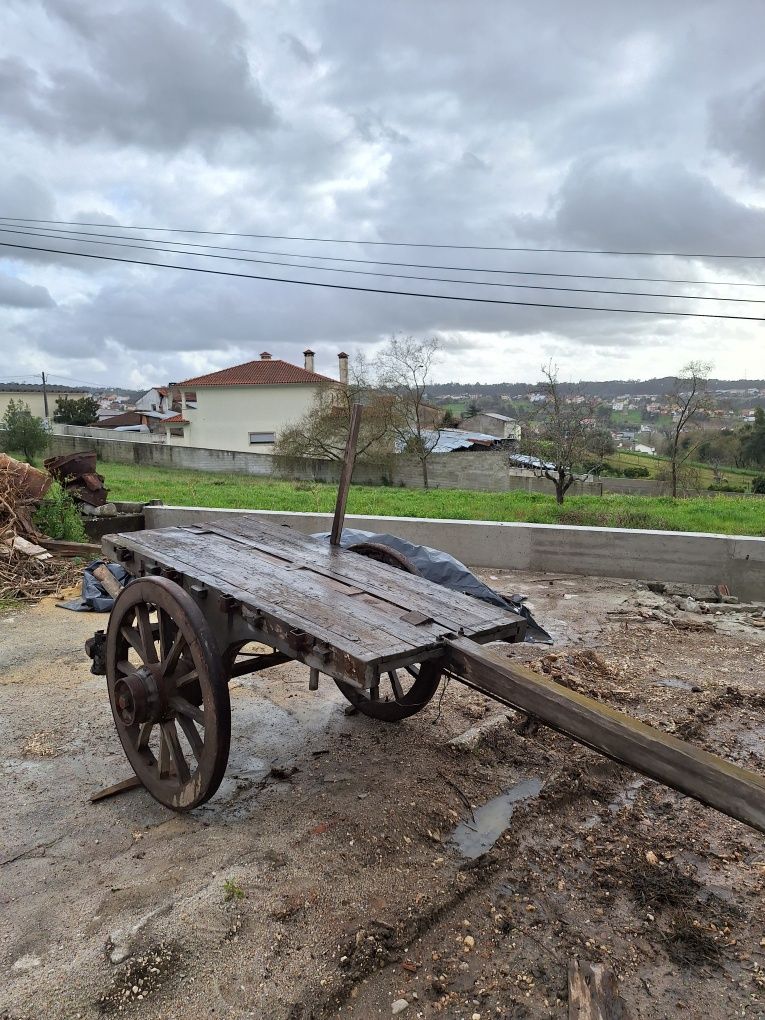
[
  {"x": 442, "y": 568},
  {"x": 95, "y": 598}
]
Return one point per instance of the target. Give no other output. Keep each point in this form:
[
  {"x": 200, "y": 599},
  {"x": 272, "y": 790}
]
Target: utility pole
[{"x": 45, "y": 395}]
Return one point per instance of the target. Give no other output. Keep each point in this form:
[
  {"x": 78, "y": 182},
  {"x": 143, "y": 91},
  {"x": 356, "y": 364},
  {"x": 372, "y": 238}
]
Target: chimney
[
  {"x": 308, "y": 363},
  {"x": 265, "y": 356},
  {"x": 342, "y": 359}
]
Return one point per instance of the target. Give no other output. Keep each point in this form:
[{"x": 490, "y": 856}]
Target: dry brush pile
[{"x": 27, "y": 571}]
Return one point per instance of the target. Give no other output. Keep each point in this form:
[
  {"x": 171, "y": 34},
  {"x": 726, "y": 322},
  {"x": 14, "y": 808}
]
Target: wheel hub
[{"x": 137, "y": 698}]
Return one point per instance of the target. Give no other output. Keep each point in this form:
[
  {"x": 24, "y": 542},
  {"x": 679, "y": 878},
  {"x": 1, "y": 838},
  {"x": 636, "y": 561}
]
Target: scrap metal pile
[
  {"x": 76, "y": 472},
  {"x": 27, "y": 570}
]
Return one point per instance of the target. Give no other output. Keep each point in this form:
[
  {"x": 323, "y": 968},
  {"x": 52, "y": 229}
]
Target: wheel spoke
[
  {"x": 184, "y": 707},
  {"x": 398, "y": 691},
  {"x": 149, "y": 652},
  {"x": 192, "y": 735},
  {"x": 125, "y": 667},
  {"x": 143, "y": 736},
  {"x": 176, "y": 752},
  {"x": 171, "y": 657},
  {"x": 187, "y": 678},
  {"x": 133, "y": 638},
  {"x": 165, "y": 763},
  {"x": 167, "y": 631}
]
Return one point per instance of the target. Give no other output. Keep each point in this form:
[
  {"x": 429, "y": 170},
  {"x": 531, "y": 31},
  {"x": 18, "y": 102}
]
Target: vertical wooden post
[{"x": 345, "y": 475}]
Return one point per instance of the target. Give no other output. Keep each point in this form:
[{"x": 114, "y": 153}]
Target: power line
[
  {"x": 380, "y": 290},
  {"x": 402, "y": 265},
  {"x": 397, "y": 276},
  {"x": 392, "y": 244}
]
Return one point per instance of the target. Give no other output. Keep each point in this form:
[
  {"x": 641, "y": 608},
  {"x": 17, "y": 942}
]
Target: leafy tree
[
  {"x": 758, "y": 485},
  {"x": 688, "y": 398},
  {"x": 601, "y": 443},
  {"x": 23, "y": 431},
  {"x": 449, "y": 420},
  {"x": 403, "y": 373},
  {"x": 562, "y": 437},
  {"x": 472, "y": 410},
  {"x": 323, "y": 431},
  {"x": 753, "y": 440},
  {"x": 82, "y": 411}
]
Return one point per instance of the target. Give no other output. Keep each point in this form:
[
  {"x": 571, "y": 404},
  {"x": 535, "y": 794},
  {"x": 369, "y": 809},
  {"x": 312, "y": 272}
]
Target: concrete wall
[
  {"x": 484, "y": 471},
  {"x": 598, "y": 552},
  {"x": 225, "y": 415},
  {"x": 91, "y": 432}
]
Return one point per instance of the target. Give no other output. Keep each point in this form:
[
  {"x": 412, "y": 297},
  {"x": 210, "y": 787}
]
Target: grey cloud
[
  {"x": 149, "y": 77},
  {"x": 604, "y": 203},
  {"x": 737, "y": 124},
  {"x": 15, "y": 293}
]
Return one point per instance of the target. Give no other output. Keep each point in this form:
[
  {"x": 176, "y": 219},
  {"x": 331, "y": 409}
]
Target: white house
[
  {"x": 244, "y": 408},
  {"x": 155, "y": 399}
]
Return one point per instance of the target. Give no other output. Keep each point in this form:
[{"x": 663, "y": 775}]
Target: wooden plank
[
  {"x": 735, "y": 791},
  {"x": 451, "y": 609},
  {"x": 306, "y": 592},
  {"x": 593, "y": 993},
  {"x": 345, "y": 475},
  {"x": 87, "y": 550}
]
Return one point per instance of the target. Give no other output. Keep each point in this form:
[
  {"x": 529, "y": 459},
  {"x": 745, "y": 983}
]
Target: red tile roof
[
  {"x": 270, "y": 372},
  {"x": 177, "y": 419}
]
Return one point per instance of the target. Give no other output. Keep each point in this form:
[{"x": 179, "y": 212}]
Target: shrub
[
  {"x": 758, "y": 484},
  {"x": 637, "y": 472},
  {"x": 58, "y": 516},
  {"x": 726, "y": 487}
]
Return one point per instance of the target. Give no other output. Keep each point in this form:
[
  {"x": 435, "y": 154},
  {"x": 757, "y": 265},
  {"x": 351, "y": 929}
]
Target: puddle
[
  {"x": 491, "y": 819},
  {"x": 675, "y": 683}
]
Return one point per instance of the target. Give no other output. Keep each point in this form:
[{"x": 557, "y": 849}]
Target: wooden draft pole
[
  {"x": 735, "y": 791},
  {"x": 349, "y": 458}
]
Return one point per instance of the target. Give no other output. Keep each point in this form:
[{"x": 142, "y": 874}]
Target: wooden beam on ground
[
  {"x": 593, "y": 993},
  {"x": 735, "y": 791},
  {"x": 87, "y": 550},
  {"x": 345, "y": 475}
]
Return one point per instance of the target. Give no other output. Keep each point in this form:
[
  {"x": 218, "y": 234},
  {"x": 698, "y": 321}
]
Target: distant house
[
  {"x": 492, "y": 424},
  {"x": 33, "y": 396},
  {"x": 244, "y": 408},
  {"x": 155, "y": 399}
]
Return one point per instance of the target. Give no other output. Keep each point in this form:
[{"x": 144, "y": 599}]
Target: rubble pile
[{"x": 27, "y": 570}]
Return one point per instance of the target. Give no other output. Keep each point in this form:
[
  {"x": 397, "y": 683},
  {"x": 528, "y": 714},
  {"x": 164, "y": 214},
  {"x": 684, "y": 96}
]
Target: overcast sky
[{"x": 546, "y": 124}]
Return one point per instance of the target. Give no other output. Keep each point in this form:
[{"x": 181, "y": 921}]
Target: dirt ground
[{"x": 323, "y": 880}]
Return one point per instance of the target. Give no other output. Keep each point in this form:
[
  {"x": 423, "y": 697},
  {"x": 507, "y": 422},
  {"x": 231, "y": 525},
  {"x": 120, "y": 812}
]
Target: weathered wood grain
[{"x": 593, "y": 993}]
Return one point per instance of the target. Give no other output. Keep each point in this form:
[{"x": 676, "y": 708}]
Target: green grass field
[
  {"x": 624, "y": 458},
  {"x": 729, "y": 515}
]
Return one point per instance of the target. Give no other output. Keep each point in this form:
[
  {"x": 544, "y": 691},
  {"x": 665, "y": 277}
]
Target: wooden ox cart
[
  {"x": 199, "y": 596},
  {"x": 178, "y": 633}
]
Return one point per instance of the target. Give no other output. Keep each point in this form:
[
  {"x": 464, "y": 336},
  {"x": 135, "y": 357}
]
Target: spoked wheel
[
  {"x": 401, "y": 692},
  {"x": 168, "y": 692}
]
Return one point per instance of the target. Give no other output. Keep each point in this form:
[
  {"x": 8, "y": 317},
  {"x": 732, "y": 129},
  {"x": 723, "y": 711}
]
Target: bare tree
[
  {"x": 562, "y": 436},
  {"x": 403, "y": 372},
  {"x": 688, "y": 397},
  {"x": 322, "y": 432}
]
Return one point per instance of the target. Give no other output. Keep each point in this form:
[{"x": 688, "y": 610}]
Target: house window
[
  {"x": 190, "y": 397},
  {"x": 257, "y": 438}
]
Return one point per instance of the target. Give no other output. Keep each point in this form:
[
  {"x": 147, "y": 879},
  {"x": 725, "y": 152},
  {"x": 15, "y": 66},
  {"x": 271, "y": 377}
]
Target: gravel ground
[{"x": 323, "y": 881}]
